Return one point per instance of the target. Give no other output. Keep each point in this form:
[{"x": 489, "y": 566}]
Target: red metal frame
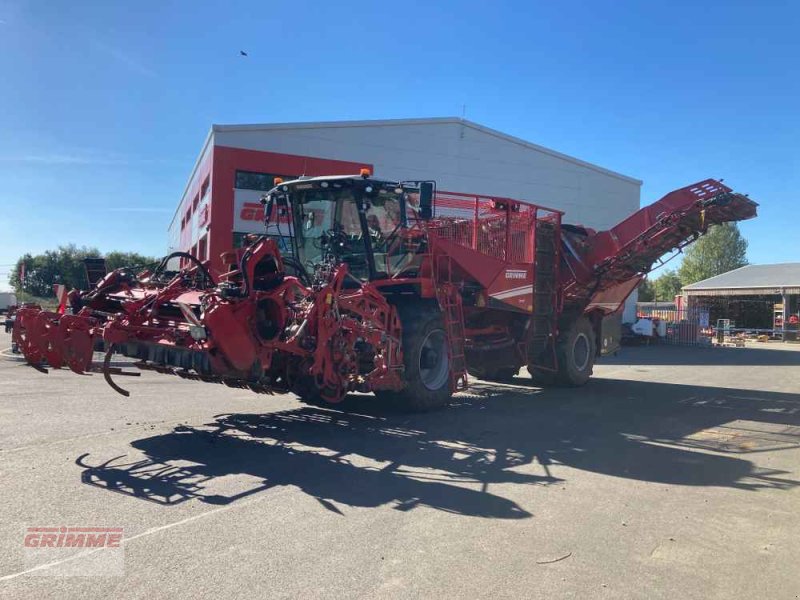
[
  {"x": 609, "y": 264},
  {"x": 261, "y": 329},
  {"x": 495, "y": 247}
]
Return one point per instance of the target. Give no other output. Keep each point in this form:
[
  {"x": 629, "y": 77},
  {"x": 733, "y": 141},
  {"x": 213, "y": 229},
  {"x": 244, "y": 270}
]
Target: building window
[
  {"x": 249, "y": 180},
  {"x": 196, "y": 201},
  {"x": 204, "y": 188},
  {"x": 201, "y": 249}
]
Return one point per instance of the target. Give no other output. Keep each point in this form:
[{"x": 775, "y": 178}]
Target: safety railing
[{"x": 501, "y": 228}]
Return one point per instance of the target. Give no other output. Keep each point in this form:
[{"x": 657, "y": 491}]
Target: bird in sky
[{"x": 242, "y": 52}]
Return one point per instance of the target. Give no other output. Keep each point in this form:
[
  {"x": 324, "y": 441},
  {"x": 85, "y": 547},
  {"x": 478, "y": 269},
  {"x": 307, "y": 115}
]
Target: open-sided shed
[{"x": 754, "y": 296}]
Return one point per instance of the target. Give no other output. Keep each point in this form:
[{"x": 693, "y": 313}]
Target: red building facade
[{"x": 221, "y": 202}]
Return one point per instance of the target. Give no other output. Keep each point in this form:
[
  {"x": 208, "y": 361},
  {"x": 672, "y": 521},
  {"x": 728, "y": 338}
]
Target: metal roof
[
  {"x": 209, "y": 140},
  {"x": 664, "y": 305},
  {"x": 424, "y": 121},
  {"x": 750, "y": 280}
]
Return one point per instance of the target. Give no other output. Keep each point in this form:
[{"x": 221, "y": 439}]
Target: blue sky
[{"x": 104, "y": 105}]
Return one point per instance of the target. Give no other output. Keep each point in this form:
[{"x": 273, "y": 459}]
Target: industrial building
[
  {"x": 238, "y": 163},
  {"x": 763, "y": 297}
]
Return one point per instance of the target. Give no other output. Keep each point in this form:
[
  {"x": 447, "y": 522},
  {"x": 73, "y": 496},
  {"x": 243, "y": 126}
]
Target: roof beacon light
[
  {"x": 364, "y": 172},
  {"x": 277, "y": 181},
  {"x": 504, "y": 205}
]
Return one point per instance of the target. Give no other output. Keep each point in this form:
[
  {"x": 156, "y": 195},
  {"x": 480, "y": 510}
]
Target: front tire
[{"x": 426, "y": 357}]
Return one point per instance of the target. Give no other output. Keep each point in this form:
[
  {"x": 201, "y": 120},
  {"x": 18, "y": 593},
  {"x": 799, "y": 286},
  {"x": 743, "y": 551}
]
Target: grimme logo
[
  {"x": 516, "y": 274},
  {"x": 73, "y": 537},
  {"x": 74, "y": 551},
  {"x": 252, "y": 211}
]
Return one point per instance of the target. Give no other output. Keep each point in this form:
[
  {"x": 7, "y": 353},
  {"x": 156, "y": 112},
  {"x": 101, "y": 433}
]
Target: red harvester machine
[{"x": 358, "y": 285}]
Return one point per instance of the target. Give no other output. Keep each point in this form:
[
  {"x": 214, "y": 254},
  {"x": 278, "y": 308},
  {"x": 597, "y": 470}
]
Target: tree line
[
  {"x": 720, "y": 250},
  {"x": 35, "y": 274}
]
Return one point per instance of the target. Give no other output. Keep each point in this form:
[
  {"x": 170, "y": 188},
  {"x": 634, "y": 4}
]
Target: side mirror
[
  {"x": 268, "y": 201},
  {"x": 426, "y": 200}
]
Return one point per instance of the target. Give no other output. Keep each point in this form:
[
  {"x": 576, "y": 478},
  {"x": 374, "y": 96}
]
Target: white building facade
[{"x": 238, "y": 162}]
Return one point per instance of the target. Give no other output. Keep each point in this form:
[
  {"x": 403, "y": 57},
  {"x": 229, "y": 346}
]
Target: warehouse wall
[
  {"x": 181, "y": 238},
  {"x": 461, "y": 157}
]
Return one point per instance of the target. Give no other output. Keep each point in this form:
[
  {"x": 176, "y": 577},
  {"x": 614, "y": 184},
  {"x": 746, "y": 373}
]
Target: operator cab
[{"x": 320, "y": 222}]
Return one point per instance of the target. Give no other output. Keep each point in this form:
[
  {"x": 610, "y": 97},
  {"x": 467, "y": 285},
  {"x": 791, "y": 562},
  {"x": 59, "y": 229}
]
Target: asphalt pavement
[{"x": 675, "y": 473}]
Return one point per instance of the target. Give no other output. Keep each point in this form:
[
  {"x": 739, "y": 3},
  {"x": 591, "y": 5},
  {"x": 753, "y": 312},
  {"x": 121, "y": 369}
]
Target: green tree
[
  {"x": 646, "y": 291},
  {"x": 720, "y": 250},
  {"x": 115, "y": 260},
  {"x": 65, "y": 265},
  {"x": 667, "y": 286},
  {"x": 661, "y": 289}
]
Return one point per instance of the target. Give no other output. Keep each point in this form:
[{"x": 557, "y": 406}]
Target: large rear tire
[
  {"x": 576, "y": 350},
  {"x": 426, "y": 358},
  {"x": 576, "y": 353}
]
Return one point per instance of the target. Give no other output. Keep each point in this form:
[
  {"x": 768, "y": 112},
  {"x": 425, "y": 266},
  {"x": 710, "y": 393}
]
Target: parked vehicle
[
  {"x": 7, "y": 300},
  {"x": 368, "y": 289}
]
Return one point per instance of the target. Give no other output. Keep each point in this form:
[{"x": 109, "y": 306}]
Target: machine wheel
[
  {"x": 575, "y": 350},
  {"x": 427, "y": 360},
  {"x": 576, "y": 353}
]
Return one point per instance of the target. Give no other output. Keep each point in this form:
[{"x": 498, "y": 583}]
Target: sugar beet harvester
[{"x": 359, "y": 285}]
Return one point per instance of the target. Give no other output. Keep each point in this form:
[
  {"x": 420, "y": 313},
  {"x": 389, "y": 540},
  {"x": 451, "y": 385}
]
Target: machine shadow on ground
[{"x": 461, "y": 460}]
